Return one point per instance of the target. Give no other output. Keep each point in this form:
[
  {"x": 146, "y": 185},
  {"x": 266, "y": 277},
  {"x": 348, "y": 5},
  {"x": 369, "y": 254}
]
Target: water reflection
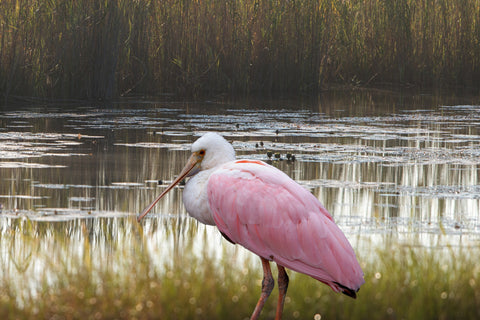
[{"x": 379, "y": 162}]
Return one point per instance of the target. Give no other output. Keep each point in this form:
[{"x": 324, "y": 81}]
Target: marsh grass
[
  {"x": 104, "y": 49},
  {"x": 110, "y": 269}
]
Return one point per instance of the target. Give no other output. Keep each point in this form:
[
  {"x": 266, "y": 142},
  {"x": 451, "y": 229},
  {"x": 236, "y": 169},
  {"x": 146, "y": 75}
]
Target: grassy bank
[
  {"x": 112, "y": 269},
  {"x": 105, "y": 49}
]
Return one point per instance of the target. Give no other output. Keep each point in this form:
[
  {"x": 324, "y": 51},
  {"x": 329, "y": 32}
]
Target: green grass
[
  {"x": 106, "y": 49},
  {"x": 111, "y": 269}
]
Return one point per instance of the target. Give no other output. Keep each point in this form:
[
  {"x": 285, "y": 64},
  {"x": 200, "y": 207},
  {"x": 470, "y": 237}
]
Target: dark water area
[{"x": 382, "y": 163}]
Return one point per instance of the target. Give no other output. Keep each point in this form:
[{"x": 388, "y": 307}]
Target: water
[{"x": 387, "y": 166}]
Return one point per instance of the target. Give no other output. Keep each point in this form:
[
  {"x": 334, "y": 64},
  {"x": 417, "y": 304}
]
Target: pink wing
[{"x": 262, "y": 209}]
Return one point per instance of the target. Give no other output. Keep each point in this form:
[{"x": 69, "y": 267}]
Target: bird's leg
[
  {"x": 267, "y": 286},
  {"x": 282, "y": 290}
]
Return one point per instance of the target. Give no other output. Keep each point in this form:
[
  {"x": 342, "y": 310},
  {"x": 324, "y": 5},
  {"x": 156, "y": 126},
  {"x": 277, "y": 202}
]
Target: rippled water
[{"x": 382, "y": 164}]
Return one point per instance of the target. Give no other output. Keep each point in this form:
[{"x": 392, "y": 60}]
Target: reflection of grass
[{"x": 106, "y": 269}]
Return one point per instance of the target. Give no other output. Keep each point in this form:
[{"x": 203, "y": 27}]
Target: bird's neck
[{"x": 195, "y": 197}]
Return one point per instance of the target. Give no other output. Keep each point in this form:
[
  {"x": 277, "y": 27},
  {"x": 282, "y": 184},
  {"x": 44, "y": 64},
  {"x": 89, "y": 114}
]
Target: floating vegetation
[
  {"x": 170, "y": 146},
  {"x": 407, "y": 163},
  {"x": 16, "y": 165},
  {"x": 25, "y": 145}
]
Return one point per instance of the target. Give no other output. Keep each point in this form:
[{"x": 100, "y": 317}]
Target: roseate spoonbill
[{"x": 262, "y": 209}]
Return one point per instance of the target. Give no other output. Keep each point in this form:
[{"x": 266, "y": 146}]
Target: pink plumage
[{"x": 262, "y": 209}]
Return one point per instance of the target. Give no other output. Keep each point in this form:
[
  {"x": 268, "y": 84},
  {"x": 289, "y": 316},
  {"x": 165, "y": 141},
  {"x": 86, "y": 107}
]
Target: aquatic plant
[{"x": 104, "y": 49}]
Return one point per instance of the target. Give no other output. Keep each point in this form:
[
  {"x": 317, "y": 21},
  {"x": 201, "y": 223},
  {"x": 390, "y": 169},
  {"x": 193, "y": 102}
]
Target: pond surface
[{"x": 386, "y": 165}]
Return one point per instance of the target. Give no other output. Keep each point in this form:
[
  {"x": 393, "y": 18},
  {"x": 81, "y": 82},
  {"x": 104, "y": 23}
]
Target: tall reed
[{"x": 105, "y": 49}]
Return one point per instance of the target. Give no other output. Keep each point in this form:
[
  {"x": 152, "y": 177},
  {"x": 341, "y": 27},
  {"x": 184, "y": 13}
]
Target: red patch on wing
[{"x": 250, "y": 161}]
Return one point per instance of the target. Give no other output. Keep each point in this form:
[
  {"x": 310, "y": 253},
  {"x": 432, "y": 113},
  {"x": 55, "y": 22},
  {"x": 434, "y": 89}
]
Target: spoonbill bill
[{"x": 259, "y": 207}]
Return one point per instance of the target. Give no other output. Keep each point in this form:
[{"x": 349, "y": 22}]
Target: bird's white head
[
  {"x": 208, "y": 151},
  {"x": 213, "y": 149}
]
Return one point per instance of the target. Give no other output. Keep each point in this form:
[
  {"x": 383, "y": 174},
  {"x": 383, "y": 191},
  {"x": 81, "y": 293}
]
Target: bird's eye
[{"x": 201, "y": 152}]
